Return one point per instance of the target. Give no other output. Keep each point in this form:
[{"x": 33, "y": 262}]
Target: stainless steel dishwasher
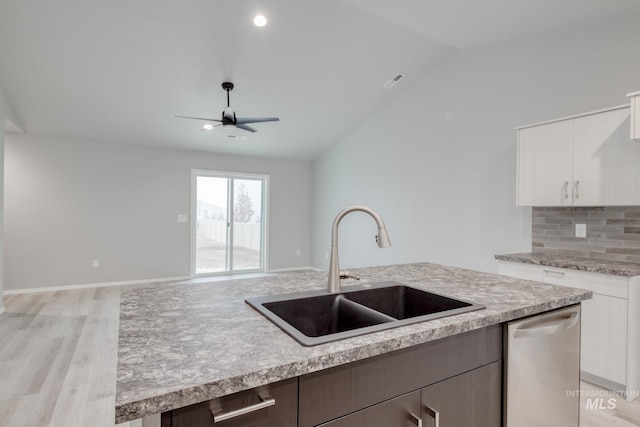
[{"x": 542, "y": 370}]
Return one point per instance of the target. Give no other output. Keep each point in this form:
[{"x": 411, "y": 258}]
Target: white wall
[
  {"x": 439, "y": 163},
  {"x": 68, "y": 202}
]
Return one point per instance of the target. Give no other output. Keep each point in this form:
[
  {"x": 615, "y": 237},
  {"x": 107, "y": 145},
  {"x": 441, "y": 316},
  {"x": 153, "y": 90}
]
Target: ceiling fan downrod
[{"x": 227, "y": 86}]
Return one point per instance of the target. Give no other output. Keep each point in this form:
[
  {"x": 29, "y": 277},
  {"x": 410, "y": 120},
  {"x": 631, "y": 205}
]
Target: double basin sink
[{"x": 318, "y": 317}]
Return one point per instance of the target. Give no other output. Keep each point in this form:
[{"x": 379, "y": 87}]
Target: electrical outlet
[
  {"x": 96, "y": 263},
  {"x": 581, "y": 230},
  {"x": 298, "y": 252},
  {"x": 183, "y": 218}
]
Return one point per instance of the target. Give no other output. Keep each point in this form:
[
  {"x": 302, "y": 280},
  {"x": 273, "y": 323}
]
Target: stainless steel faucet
[{"x": 382, "y": 238}]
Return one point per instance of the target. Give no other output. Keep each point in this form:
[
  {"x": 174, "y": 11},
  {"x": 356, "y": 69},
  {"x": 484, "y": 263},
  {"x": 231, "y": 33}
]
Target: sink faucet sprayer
[{"x": 382, "y": 238}]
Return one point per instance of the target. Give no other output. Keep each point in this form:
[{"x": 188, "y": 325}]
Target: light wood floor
[
  {"x": 58, "y": 356},
  {"x": 622, "y": 413}
]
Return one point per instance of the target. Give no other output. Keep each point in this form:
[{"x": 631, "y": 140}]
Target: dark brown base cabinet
[
  {"x": 472, "y": 399},
  {"x": 401, "y": 411},
  {"x": 456, "y": 379},
  {"x": 283, "y": 414}
]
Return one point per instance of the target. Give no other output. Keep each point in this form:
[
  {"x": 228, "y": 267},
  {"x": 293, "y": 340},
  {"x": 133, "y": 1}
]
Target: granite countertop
[
  {"x": 181, "y": 344},
  {"x": 616, "y": 268}
]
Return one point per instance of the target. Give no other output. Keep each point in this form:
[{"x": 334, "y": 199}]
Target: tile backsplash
[{"x": 613, "y": 232}]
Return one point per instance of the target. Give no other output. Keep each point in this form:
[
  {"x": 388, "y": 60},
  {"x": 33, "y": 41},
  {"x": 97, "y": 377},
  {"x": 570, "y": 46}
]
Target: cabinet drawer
[
  {"x": 603, "y": 284},
  {"x": 338, "y": 391},
  {"x": 282, "y": 414},
  {"x": 403, "y": 411}
]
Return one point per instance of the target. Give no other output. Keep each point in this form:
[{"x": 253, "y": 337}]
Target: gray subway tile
[
  {"x": 544, "y": 251},
  {"x": 607, "y": 257},
  {"x": 573, "y": 253},
  {"x": 559, "y": 220},
  {"x": 570, "y": 214},
  {"x": 607, "y": 243},
  {"x": 606, "y": 214},
  {"x": 545, "y": 226},
  {"x": 623, "y": 208},
  {"x": 624, "y": 251},
  {"x": 626, "y": 222}
]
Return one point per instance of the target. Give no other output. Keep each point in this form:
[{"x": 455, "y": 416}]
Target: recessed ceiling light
[
  {"x": 207, "y": 127},
  {"x": 260, "y": 21}
]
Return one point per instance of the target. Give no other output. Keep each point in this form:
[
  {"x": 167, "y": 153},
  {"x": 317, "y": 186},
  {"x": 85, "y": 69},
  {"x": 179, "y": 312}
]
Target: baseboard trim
[
  {"x": 93, "y": 285},
  {"x": 132, "y": 282},
  {"x": 602, "y": 382},
  {"x": 284, "y": 270}
]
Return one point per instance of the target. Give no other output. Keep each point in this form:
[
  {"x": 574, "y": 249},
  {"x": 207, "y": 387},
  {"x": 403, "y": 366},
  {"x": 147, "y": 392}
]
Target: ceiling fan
[{"x": 229, "y": 116}]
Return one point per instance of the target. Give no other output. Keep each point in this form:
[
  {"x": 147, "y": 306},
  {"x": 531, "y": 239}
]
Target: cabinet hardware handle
[
  {"x": 577, "y": 189},
  {"x": 566, "y": 190},
  {"x": 554, "y": 273},
  {"x": 416, "y": 420},
  {"x": 433, "y": 414},
  {"x": 266, "y": 401}
]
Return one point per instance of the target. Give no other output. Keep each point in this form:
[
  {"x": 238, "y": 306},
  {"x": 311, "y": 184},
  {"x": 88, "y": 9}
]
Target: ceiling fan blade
[
  {"x": 245, "y": 127},
  {"x": 242, "y": 120},
  {"x": 205, "y": 129},
  {"x": 198, "y": 118}
]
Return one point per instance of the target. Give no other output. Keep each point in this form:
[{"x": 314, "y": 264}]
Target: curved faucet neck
[
  {"x": 344, "y": 212},
  {"x": 382, "y": 239}
]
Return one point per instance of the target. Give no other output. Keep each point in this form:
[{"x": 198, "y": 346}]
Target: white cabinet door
[
  {"x": 606, "y": 168},
  {"x": 603, "y": 346},
  {"x": 545, "y": 164}
]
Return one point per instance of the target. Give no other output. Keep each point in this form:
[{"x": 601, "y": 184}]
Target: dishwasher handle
[{"x": 547, "y": 326}]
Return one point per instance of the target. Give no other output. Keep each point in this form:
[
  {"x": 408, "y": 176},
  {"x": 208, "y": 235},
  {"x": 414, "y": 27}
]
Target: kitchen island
[{"x": 187, "y": 343}]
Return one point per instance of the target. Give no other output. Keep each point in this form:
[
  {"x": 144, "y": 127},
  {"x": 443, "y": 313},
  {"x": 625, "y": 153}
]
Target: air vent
[
  {"x": 237, "y": 137},
  {"x": 395, "y": 79}
]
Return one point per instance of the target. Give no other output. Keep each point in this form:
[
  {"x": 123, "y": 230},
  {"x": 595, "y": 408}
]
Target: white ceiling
[{"x": 119, "y": 70}]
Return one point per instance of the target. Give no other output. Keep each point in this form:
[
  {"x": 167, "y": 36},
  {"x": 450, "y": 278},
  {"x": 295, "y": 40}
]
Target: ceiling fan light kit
[{"x": 229, "y": 116}]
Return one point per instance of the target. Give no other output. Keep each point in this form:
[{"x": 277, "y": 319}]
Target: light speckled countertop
[
  {"x": 616, "y": 268},
  {"x": 186, "y": 343}
]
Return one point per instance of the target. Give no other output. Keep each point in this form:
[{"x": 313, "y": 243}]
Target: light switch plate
[
  {"x": 581, "y": 230},
  {"x": 183, "y": 218}
]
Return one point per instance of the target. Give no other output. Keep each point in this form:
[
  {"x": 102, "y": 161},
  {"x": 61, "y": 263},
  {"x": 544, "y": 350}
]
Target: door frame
[{"x": 264, "y": 220}]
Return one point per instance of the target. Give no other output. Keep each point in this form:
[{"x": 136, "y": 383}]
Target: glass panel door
[
  {"x": 247, "y": 224},
  {"x": 229, "y": 223},
  {"x": 212, "y": 232}
]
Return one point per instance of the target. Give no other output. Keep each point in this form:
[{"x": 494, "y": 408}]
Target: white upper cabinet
[
  {"x": 585, "y": 160},
  {"x": 635, "y": 115},
  {"x": 606, "y": 163},
  {"x": 545, "y": 157}
]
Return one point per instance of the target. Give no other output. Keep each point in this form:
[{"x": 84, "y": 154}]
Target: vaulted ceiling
[{"x": 118, "y": 71}]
